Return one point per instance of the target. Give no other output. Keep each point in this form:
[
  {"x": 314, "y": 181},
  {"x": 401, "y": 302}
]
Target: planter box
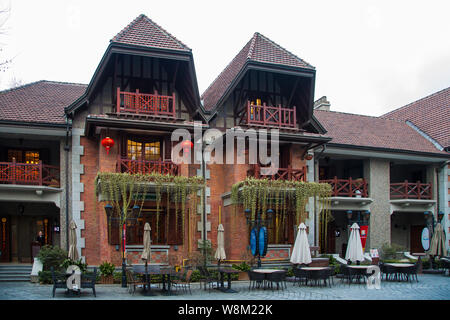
[
  {"x": 319, "y": 262},
  {"x": 243, "y": 275},
  {"x": 107, "y": 279}
]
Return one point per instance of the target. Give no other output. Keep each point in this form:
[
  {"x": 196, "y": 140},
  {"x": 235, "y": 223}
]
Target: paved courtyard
[{"x": 429, "y": 287}]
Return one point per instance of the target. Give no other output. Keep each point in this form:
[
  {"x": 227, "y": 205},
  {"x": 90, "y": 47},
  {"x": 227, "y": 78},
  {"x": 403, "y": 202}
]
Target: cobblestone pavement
[{"x": 429, "y": 287}]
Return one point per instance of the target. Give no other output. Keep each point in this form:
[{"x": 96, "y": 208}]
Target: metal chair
[
  {"x": 133, "y": 282},
  {"x": 59, "y": 280},
  {"x": 207, "y": 278},
  {"x": 277, "y": 277},
  {"x": 88, "y": 281},
  {"x": 184, "y": 282},
  {"x": 300, "y": 276},
  {"x": 257, "y": 279}
]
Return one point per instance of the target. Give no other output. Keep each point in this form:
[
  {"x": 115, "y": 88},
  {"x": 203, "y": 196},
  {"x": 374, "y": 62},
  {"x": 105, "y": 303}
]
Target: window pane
[
  {"x": 31, "y": 157},
  {"x": 153, "y": 151},
  {"x": 16, "y": 154}
]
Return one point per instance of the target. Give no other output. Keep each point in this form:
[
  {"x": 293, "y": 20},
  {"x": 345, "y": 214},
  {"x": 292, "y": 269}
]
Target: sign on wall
[{"x": 425, "y": 239}]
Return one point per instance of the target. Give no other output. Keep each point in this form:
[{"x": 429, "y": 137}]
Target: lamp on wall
[{"x": 349, "y": 214}]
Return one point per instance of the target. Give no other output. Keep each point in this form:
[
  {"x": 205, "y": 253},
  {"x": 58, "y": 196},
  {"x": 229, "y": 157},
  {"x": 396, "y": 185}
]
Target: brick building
[{"x": 143, "y": 89}]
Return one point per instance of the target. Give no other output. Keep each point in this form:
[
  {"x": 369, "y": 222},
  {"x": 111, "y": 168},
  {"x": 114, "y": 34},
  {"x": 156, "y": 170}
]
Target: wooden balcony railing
[
  {"x": 143, "y": 103},
  {"x": 282, "y": 174},
  {"x": 408, "y": 190},
  {"x": 29, "y": 174},
  {"x": 145, "y": 166},
  {"x": 270, "y": 116},
  {"x": 347, "y": 187}
]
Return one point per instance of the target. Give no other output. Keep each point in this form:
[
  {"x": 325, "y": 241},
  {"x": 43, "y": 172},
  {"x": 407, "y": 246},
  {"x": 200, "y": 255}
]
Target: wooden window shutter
[{"x": 113, "y": 231}]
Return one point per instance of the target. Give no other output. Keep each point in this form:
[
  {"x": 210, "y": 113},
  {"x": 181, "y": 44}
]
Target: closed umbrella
[
  {"x": 301, "y": 253},
  {"x": 73, "y": 252},
  {"x": 354, "y": 247},
  {"x": 437, "y": 247},
  {"x": 220, "y": 252},
  {"x": 146, "y": 253}
]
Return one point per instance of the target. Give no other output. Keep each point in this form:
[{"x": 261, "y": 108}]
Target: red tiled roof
[
  {"x": 39, "y": 102},
  {"x": 430, "y": 114},
  {"x": 142, "y": 31},
  {"x": 258, "y": 49},
  {"x": 365, "y": 131}
]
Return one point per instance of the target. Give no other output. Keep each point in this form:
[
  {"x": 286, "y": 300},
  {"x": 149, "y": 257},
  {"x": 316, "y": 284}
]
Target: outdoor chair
[
  {"x": 346, "y": 273},
  {"x": 207, "y": 278},
  {"x": 445, "y": 262},
  {"x": 256, "y": 279},
  {"x": 277, "y": 277},
  {"x": 184, "y": 282},
  {"x": 411, "y": 272},
  {"x": 59, "y": 280},
  {"x": 88, "y": 281},
  {"x": 390, "y": 273},
  {"x": 133, "y": 282},
  {"x": 325, "y": 275},
  {"x": 300, "y": 276}
]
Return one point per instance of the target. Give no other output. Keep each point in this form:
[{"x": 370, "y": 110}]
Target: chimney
[{"x": 322, "y": 104}]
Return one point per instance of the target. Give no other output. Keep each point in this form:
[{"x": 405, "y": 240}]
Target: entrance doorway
[
  {"x": 415, "y": 242},
  {"x": 20, "y": 224},
  {"x": 5, "y": 239}
]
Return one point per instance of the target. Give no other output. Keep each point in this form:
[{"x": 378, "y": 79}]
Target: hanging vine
[
  {"x": 282, "y": 195},
  {"x": 123, "y": 190}
]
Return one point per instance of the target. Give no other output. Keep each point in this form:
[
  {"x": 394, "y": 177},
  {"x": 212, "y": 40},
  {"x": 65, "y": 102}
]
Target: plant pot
[
  {"x": 107, "y": 279},
  {"x": 243, "y": 275}
]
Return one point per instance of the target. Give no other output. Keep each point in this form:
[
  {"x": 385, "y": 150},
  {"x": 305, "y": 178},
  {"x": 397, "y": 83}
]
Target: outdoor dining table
[
  {"x": 228, "y": 272},
  {"x": 361, "y": 270},
  {"x": 266, "y": 272},
  {"x": 399, "y": 269},
  {"x": 166, "y": 274},
  {"x": 310, "y": 270}
]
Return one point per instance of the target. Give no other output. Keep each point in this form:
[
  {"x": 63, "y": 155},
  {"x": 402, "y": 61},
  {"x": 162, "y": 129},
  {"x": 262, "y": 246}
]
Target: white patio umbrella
[
  {"x": 437, "y": 247},
  {"x": 73, "y": 252},
  {"x": 354, "y": 248},
  {"x": 220, "y": 252},
  {"x": 301, "y": 254}
]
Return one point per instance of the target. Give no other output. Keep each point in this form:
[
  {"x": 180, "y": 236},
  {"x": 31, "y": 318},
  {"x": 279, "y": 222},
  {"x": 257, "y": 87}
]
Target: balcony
[
  {"x": 146, "y": 166},
  {"x": 347, "y": 187},
  {"x": 282, "y": 174},
  {"x": 408, "y": 190},
  {"x": 146, "y": 104},
  {"x": 29, "y": 174},
  {"x": 269, "y": 116}
]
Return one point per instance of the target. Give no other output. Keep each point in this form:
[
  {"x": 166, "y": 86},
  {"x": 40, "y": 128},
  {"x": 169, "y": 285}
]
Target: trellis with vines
[
  {"x": 124, "y": 190},
  {"x": 284, "y": 197}
]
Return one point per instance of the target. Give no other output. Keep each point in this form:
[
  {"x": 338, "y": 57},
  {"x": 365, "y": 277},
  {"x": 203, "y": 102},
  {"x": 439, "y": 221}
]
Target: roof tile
[
  {"x": 142, "y": 31},
  {"x": 39, "y": 102},
  {"x": 365, "y": 131},
  {"x": 430, "y": 114},
  {"x": 258, "y": 49}
]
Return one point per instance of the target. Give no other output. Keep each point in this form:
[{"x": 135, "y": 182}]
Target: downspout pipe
[
  {"x": 316, "y": 161},
  {"x": 67, "y": 149}
]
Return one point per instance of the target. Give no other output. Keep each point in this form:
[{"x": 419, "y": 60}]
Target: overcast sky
[{"x": 370, "y": 56}]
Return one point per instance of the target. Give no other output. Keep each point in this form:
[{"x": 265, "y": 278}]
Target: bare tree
[{"x": 4, "y": 16}]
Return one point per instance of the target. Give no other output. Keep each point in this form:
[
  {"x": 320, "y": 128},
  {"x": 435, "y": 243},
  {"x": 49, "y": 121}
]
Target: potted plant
[
  {"x": 106, "y": 272},
  {"x": 243, "y": 268}
]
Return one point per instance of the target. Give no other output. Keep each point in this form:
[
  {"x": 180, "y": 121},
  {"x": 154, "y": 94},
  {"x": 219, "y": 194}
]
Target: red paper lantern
[
  {"x": 187, "y": 145},
  {"x": 108, "y": 143}
]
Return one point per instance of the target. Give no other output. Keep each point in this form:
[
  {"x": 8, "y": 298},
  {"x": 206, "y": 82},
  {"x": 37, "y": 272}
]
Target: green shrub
[
  {"x": 107, "y": 269},
  {"x": 51, "y": 256},
  {"x": 45, "y": 277},
  {"x": 391, "y": 251},
  {"x": 117, "y": 277},
  {"x": 241, "y": 267},
  {"x": 290, "y": 272}
]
